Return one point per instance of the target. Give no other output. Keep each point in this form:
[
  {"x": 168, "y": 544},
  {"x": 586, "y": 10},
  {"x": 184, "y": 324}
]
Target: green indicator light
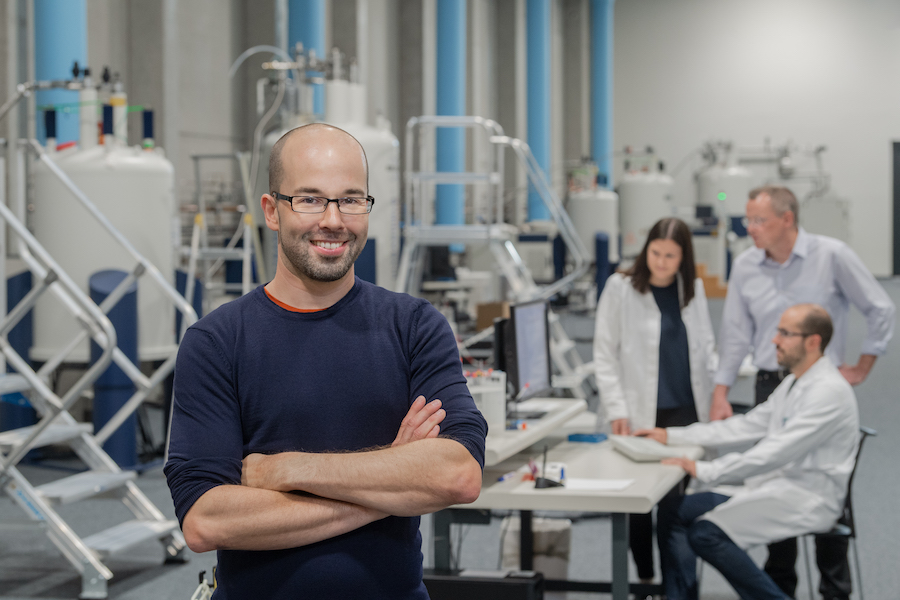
[{"x": 722, "y": 196}]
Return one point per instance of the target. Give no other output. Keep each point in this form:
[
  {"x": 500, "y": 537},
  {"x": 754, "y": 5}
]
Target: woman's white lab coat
[{"x": 626, "y": 352}]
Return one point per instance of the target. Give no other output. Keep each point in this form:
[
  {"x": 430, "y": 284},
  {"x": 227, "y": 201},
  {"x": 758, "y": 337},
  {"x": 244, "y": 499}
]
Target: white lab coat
[
  {"x": 626, "y": 352},
  {"x": 795, "y": 477}
]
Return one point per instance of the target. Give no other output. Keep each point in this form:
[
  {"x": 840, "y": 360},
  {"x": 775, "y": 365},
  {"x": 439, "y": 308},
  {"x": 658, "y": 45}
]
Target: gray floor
[{"x": 30, "y": 567}]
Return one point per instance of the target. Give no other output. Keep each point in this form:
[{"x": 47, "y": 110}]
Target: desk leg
[
  {"x": 619, "y": 556},
  {"x": 441, "y": 522},
  {"x": 526, "y": 541}
]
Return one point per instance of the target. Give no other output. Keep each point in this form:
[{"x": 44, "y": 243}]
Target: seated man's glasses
[
  {"x": 785, "y": 333},
  {"x": 317, "y": 204}
]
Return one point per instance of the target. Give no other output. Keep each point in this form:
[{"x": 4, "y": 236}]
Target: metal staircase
[
  {"x": 488, "y": 226},
  {"x": 102, "y": 477}
]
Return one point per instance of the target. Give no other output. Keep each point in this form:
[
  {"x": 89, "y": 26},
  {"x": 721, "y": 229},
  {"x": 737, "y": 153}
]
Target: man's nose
[{"x": 332, "y": 217}]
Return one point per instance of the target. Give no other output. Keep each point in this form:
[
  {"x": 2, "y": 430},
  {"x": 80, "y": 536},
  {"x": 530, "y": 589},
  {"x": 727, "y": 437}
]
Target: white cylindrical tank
[
  {"x": 725, "y": 188},
  {"x": 594, "y": 211},
  {"x": 383, "y": 155},
  {"x": 135, "y": 190},
  {"x": 337, "y": 101},
  {"x": 644, "y": 199}
]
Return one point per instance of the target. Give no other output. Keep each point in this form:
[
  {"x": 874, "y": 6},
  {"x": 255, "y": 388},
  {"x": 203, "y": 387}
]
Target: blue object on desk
[{"x": 590, "y": 438}]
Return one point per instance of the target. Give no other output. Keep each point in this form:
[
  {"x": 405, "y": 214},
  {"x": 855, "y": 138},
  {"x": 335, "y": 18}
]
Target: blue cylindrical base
[
  {"x": 604, "y": 269},
  {"x": 121, "y": 445},
  {"x": 113, "y": 388},
  {"x": 15, "y": 411}
]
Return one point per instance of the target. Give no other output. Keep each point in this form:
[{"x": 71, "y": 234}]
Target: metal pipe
[
  {"x": 450, "y": 147},
  {"x": 602, "y": 12},
  {"x": 60, "y": 31},
  {"x": 306, "y": 20},
  {"x": 539, "y": 83}
]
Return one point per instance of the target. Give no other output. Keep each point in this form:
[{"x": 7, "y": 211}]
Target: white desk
[
  {"x": 501, "y": 445},
  {"x": 652, "y": 481}
]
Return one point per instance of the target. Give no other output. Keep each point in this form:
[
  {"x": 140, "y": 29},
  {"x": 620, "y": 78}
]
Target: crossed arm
[{"x": 419, "y": 473}]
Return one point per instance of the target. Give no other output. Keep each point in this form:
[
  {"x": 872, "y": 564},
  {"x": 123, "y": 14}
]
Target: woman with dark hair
[{"x": 654, "y": 351}]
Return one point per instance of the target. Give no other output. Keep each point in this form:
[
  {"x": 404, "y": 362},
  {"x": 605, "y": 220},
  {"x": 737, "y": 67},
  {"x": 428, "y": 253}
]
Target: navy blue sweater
[{"x": 254, "y": 377}]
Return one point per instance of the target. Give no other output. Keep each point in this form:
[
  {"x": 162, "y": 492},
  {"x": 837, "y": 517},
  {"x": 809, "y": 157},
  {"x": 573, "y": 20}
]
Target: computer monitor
[{"x": 523, "y": 349}]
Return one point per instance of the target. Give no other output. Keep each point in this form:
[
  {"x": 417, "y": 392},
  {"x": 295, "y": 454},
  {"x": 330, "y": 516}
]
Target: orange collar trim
[{"x": 289, "y": 307}]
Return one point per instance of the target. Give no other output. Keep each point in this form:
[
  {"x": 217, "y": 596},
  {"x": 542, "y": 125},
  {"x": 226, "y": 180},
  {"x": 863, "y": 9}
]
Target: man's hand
[
  {"x": 685, "y": 463},
  {"x": 258, "y": 471},
  {"x": 422, "y": 421},
  {"x": 620, "y": 427},
  {"x": 657, "y": 433},
  {"x": 721, "y": 408},
  {"x": 855, "y": 375}
]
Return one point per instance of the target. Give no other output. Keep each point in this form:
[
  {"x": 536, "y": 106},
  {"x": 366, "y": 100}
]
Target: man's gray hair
[{"x": 783, "y": 200}]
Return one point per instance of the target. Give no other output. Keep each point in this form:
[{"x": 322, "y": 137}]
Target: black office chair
[{"x": 845, "y": 526}]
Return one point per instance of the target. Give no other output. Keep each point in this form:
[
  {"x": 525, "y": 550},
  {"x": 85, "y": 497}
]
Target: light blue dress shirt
[{"x": 820, "y": 269}]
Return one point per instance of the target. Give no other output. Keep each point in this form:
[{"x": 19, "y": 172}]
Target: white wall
[{"x": 811, "y": 71}]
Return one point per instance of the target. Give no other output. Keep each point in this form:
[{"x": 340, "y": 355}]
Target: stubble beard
[
  {"x": 789, "y": 361},
  {"x": 319, "y": 268}
]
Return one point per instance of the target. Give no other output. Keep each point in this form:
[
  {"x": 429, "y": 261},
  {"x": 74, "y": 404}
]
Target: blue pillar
[
  {"x": 113, "y": 388},
  {"x": 602, "y": 86},
  {"x": 60, "y": 38},
  {"x": 306, "y": 24},
  {"x": 538, "y": 92},
  {"x": 451, "y": 100}
]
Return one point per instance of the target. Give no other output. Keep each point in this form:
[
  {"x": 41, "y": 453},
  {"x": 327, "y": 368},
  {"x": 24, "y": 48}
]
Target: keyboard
[{"x": 642, "y": 449}]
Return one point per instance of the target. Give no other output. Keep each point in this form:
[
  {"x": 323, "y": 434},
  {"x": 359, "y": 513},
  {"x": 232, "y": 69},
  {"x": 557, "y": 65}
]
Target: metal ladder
[
  {"x": 199, "y": 254},
  {"x": 103, "y": 477},
  {"x": 489, "y": 227}
]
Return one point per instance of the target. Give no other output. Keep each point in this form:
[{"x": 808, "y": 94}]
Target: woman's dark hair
[{"x": 676, "y": 230}]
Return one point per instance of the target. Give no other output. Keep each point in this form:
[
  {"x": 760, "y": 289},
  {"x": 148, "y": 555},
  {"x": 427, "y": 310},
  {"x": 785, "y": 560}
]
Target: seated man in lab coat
[{"x": 792, "y": 481}]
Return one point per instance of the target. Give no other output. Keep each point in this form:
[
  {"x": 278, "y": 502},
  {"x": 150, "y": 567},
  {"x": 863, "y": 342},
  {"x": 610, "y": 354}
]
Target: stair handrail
[
  {"x": 551, "y": 200},
  {"x": 143, "y": 384},
  {"x": 83, "y": 308}
]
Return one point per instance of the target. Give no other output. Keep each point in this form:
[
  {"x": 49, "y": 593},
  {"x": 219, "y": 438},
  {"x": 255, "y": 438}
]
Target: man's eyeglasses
[
  {"x": 785, "y": 333},
  {"x": 317, "y": 204}
]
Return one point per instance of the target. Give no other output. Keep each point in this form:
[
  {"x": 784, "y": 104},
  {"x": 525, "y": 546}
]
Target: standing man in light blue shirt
[{"x": 789, "y": 266}]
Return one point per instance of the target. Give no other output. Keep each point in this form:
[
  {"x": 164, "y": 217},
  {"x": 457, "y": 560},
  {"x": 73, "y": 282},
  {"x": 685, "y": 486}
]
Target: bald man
[
  {"x": 318, "y": 416},
  {"x": 792, "y": 481}
]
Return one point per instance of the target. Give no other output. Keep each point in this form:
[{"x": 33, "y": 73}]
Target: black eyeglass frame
[
  {"x": 786, "y": 334},
  {"x": 370, "y": 202}
]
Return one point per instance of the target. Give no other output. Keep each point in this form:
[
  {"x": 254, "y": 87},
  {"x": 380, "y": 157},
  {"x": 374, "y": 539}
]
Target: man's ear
[
  {"x": 793, "y": 218},
  {"x": 270, "y": 211},
  {"x": 814, "y": 342}
]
